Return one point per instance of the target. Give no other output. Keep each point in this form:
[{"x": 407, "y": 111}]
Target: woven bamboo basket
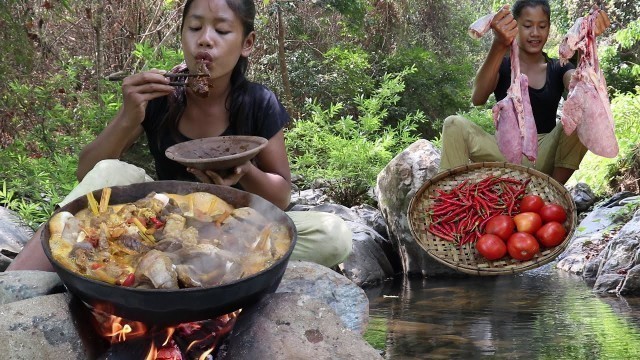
[{"x": 466, "y": 258}]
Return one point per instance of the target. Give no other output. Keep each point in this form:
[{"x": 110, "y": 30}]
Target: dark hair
[
  {"x": 516, "y": 8},
  {"x": 246, "y": 11}
]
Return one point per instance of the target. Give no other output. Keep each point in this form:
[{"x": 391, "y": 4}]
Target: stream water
[{"x": 540, "y": 314}]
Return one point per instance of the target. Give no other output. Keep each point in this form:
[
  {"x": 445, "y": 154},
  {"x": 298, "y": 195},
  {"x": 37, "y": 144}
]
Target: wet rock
[
  {"x": 304, "y": 199},
  {"x": 608, "y": 283},
  {"x": 373, "y": 218},
  {"x": 583, "y": 196},
  {"x": 343, "y": 296},
  {"x": 14, "y": 232},
  {"x": 369, "y": 262},
  {"x": 631, "y": 284},
  {"x": 616, "y": 199},
  {"x": 396, "y": 185},
  {"x": 4, "y": 262},
  {"x": 588, "y": 240},
  {"x": 40, "y": 328},
  {"x": 343, "y": 212},
  {"x": 294, "y": 326},
  {"x": 21, "y": 285}
]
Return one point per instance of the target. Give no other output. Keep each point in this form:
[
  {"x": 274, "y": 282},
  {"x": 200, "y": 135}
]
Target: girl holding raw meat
[
  {"x": 219, "y": 34},
  {"x": 527, "y": 23}
]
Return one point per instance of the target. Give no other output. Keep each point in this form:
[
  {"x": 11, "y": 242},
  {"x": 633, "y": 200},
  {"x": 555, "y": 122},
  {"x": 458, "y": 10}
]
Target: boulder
[
  {"x": 396, "y": 185},
  {"x": 294, "y": 326}
]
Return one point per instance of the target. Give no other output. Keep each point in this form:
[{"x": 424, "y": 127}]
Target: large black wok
[{"x": 171, "y": 307}]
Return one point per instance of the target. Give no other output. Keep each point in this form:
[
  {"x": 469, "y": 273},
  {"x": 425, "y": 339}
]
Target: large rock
[
  {"x": 588, "y": 240},
  {"x": 343, "y": 296},
  {"x": 619, "y": 260},
  {"x": 21, "y": 285},
  {"x": 605, "y": 249},
  {"x": 294, "y": 326},
  {"x": 369, "y": 262},
  {"x": 14, "y": 232},
  {"x": 396, "y": 185},
  {"x": 40, "y": 328}
]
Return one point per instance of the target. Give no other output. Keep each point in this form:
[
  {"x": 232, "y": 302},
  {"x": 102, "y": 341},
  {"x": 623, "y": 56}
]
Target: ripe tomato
[
  {"x": 553, "y": 212},
  {"x": 491, "y": 247},
  {"x": 522, "y": 246},
  {"x": 500, "y": 225},
  {"x": 551, "y": 234},
  {"x": 531, "y": 203},
  {"x": 528, "y": 222}
]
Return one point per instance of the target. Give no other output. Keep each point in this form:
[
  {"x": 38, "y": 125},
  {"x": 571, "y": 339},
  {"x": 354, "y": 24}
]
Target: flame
[
  {"x": 207, "y": 334},
  {"x": 116, "y": 328},
  {"x": 153, "y": 352}
]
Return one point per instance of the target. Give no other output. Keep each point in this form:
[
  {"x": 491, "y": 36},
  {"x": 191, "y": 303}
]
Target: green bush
[
  {"x": 620, "y": 61},
  {"x": 604, "y": 175},
  {"x": 349, "y": 151},
  {"x": 438, "y": 87},
  {"x": 32, "y": 186}
]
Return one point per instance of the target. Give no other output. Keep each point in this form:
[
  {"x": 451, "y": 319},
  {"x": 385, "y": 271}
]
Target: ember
[{"x": 193, "y": 340}]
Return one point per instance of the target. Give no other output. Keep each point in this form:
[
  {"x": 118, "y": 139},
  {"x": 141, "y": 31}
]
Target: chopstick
[{"x": 118, "y": 77}]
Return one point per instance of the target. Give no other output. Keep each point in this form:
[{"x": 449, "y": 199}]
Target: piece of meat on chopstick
[{"x": 200, "y": 84}]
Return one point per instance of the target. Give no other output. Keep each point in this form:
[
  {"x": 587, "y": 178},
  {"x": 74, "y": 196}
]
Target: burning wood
[{"x": 194, "y": 340}]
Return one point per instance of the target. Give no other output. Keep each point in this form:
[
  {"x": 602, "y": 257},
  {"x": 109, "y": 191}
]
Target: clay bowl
[{"x": 216, "y": 153}]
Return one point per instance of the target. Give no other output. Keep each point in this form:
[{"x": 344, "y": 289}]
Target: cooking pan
[{"x": 171, "y": 307}]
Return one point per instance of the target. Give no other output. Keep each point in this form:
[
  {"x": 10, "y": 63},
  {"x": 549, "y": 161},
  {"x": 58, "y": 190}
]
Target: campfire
[{"x": 193, "y": 340}]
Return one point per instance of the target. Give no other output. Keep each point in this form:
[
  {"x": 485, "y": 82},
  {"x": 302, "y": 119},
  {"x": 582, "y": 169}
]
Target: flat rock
[
  {"x": 14, "y": 232},
  {"x": 294, "y": 326},
  {"x": 21, "y": 285},
  {"x": 40, "y": 328},
  {"x": 348, "y": 300}
]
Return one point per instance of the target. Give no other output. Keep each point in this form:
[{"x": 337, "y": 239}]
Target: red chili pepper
[
  {"x": 129, "y": 280},
  {"x": 96, "y": 266},
  {"x": 158, "y": 224}
]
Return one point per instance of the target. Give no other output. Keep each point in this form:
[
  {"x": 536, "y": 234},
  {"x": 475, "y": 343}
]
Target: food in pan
[{"x": 166, "y": 241}]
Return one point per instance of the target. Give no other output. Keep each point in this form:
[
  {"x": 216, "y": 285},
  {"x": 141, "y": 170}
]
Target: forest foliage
[{"x": 361, "y": 78}]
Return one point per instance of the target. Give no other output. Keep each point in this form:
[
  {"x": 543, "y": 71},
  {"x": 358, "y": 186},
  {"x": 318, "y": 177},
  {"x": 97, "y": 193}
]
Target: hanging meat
[
  {"x": 587, "y": 109},
  {"x": 516, "y": 131}
]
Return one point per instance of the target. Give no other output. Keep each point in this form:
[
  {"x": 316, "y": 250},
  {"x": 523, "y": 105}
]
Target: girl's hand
[
  {"x": 139, "y": 88},
  {"x": 505, "y": 27},
  {"x": 602, "y": 20},
  {"x": 227, "y": 178}
]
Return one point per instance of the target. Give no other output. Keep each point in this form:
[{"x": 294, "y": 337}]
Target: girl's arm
[
  {"x": 602, "y": 23},
  {"x": 269, "y": 178},
  {"x": 126, "y": 127},
  {"x": 505, "y": 30}
]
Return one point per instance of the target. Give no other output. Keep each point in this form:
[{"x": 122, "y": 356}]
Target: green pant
[
  {"x": 323, "y": 238},
  {"x": 464, "y": 141}
]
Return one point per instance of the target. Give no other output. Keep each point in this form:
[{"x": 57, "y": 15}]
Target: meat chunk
[
  {"x": 155, "y": 268},
  {"x": 587, "y": 109},
  {"x": 516, "y": 131},
  {"x": 200, "y": 84}
]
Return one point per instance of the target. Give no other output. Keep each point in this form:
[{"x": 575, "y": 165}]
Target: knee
[
  {"x": 106, "y": 165},
  {"x": 342, "y": 244},
  {"x": 453, "y": 123},
  {"x": 323, "y": 238}
]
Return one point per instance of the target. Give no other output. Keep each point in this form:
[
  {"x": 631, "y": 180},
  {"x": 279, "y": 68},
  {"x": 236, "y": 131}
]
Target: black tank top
[
  {"x": 544, "y": 101},
  {"x": 266, "y": 117}
]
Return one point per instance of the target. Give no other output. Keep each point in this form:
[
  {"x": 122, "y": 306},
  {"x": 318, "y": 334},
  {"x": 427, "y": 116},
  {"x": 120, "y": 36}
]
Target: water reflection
[{"x": 541, "y": 314}]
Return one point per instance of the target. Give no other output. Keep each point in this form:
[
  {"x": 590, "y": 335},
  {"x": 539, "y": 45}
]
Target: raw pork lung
[
  {"x": 516, "y": 131},
  {"x": 587, "y": 109}
]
